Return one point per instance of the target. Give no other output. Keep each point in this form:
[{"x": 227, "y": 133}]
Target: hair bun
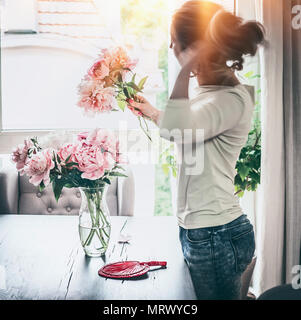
[
  {"x": 233, "y": 37},
  {"x": 254, "y": 32}
]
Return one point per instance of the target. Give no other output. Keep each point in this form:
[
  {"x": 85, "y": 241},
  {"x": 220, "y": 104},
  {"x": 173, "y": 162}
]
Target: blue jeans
[{"x": 217, "y": 257}]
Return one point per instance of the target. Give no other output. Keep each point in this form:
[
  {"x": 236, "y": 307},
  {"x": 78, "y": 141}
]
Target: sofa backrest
[
  {"x": 32, "y": 201},
  {"x": 19, "y": 196}
]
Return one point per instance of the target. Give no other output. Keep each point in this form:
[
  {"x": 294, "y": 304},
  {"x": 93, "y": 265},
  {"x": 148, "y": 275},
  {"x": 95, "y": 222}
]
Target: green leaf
[
  {"x": 134, "y": 86},
  {"x": 69, "y": 185},
  {"x": 133, "y": 78},
  {"x": 121, "y": 104},
  {"x": 68, "y": 158},
  {"x": 126, "y": 92},
  {"x": 174, "y": 172},
  {"x": 106, "y": 180},
  {"x": 170, "y": 160},
  {"x": 57, "y": 186},
  {"x": 248, "y": 74},
  {"x": 243, "y": 171},
  {"x": 117, "y": 174},
  {"x": 142, "y": 82},
  {"x": 240, "y": 194},
  {"x": 119, "y": 167},
  {"x": 121, "y": 96},
  {"x": 165, "y": 168},
  {"x": 70, "y": 164},
  {"x": 41, "y": 186}
]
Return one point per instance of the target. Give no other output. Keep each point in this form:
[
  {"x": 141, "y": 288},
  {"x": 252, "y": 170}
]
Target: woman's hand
[{"x": 141, "y": 107}]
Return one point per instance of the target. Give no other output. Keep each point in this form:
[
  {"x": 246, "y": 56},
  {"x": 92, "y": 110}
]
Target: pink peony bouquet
[
  {"x": 90, "y": 161},
  {"x": 105, "y": 87}
]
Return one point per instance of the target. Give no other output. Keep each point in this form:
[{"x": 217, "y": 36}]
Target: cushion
[{"x": 32, "y": 201}]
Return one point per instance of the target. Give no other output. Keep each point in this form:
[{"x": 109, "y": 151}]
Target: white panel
[
  {"x": 65, "y": 6},
  {"x": 246, "y": 9},
  {"x": 227, "y": 4},
  {"x": 19, "y": 15},
  {"x": 76, "y": 18}
]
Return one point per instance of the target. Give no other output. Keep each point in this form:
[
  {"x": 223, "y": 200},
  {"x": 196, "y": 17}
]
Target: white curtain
[{"x": 270, "y": 216}]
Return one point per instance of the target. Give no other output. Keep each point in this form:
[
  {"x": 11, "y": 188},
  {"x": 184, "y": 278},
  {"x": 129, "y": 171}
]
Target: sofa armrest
[{"x": 9, "y": 191}]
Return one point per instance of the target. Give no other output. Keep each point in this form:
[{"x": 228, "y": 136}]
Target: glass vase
[{"x": 94, "y": 221}]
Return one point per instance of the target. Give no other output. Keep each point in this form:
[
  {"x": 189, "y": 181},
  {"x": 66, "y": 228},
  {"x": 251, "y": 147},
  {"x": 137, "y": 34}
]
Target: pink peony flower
[
  {"x": 105, "y": 139},
  {"x": 95, "y": 98},
  {"x": 67, "y": 150},
  {"x": 99, "y": 70},
  {"x": 38, "y": 167},
  {"x": 19, "y": 155},
  {"x": 120, "y": 59},
  {"x": 82, "y": 136},
  {"x": 109, "y": 142},
  {"x": 97, "y": 153},
  {"x": 117, "y": 59},
  {"x": 91, "y": 162},
  {"x": 96, "y": 91}
]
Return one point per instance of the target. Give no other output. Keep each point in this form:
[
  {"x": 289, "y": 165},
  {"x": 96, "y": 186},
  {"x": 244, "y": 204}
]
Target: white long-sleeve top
[{"x": 210, "y": 131}]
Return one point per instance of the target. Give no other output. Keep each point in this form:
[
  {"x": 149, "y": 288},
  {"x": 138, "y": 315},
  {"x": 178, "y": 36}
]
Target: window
[
  {"x": 40, "y": 72},
  {"x": 43, "y": 62}
]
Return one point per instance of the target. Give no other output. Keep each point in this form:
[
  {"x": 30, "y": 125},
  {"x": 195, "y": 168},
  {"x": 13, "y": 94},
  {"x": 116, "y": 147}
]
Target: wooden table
[{"x": 41, "y": 258}]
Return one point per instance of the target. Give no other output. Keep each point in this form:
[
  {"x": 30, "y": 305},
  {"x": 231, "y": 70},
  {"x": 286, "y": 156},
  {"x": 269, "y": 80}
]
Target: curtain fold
[
  {"x": 270, "y": 216},
  {"x": 292, "y": 135},
  {"x": 279, "y": 217}
]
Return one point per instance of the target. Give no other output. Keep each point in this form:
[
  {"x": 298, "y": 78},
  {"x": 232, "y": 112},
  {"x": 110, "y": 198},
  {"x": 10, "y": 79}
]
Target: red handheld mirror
[{"x": 128, "y": 269}]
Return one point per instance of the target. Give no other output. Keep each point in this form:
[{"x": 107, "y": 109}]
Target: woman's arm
[
  {"x": 208, "y": 117},
  {"x": 144, "y": 108},
  {"x": 181, "y": 87}
]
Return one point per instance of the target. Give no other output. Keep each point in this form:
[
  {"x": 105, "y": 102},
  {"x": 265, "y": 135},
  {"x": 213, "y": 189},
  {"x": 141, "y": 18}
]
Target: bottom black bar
[{"x": 130, "y": 309}]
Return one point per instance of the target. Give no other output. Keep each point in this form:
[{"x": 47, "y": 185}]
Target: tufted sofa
[{"x": 18, "y": 196}]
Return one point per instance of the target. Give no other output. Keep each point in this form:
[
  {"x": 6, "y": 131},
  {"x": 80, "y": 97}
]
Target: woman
[{"x": 217, "y": 238}]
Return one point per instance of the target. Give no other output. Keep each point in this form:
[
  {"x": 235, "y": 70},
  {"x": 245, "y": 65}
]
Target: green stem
[
  {"x": 102, "y": 216},
  {"x": 103, "y": 220},
  {"x": 100, "y": 237},
  {"x": 89, "y": 238},
  {"x": 146, "y": 133},
  {"x": 95, "y": 199},
  {"x": 92, "y": 231}
]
